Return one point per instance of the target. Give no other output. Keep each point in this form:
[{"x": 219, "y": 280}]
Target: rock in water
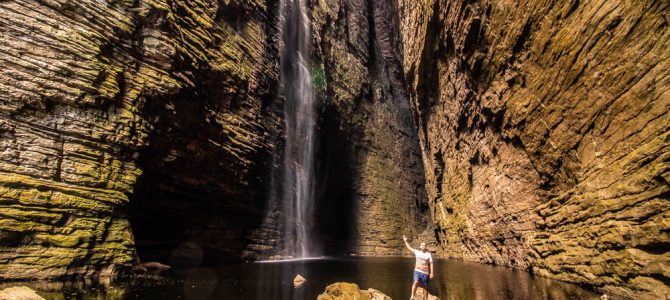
[
  {"x": 423, "y": 294},
  {"x": 19, "y": 293},
  {"x": 350, "y": 291},
  {"x": 298, "y": 280},
  {"x": 150, "y": 266},
  {"x": 376, "y": 295}
]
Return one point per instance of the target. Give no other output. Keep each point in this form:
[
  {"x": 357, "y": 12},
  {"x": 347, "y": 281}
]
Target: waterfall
[{"x": 300, "y": 118}]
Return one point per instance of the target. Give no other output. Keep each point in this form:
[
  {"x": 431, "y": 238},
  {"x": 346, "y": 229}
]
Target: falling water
[{"x": 299, "y": 115}]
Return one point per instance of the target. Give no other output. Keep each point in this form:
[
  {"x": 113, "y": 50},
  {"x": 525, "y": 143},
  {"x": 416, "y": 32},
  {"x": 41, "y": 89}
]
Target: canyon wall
[
  {"x": 544, "y": 129},
  {"x": 99, "y": 99},
  {"x": 370, "y": 187},
  {"x": 149, "y": 130},
  {"x": 371, "y": 158}
]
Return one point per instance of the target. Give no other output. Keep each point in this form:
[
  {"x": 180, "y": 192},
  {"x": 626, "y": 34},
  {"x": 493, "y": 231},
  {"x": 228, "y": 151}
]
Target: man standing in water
[{"x": 423, "y": 269}]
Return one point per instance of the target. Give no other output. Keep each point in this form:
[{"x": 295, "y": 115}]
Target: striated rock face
[
  {"x": 545, "y": 134},
  {"x": 165, "y": 97},
  {"x": 146, "y": 130},
  {"x": 370, "y": 175},
  {"x": 371, "y": 170}
]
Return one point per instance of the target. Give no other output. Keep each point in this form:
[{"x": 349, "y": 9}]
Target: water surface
[{"x": 391, "y": 275}]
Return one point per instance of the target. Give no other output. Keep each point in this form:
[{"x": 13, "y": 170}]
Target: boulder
[
  {"x": 150, "y": 266},
  {"x": 19, "y": 293},
  {"x": 350, "y": 291},
  {"x": 298, "y": 280},
  {"x": 423, "y": 294}
]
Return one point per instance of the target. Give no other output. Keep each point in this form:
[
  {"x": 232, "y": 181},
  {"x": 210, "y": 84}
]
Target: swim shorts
[{"x": 422, "y": 278}]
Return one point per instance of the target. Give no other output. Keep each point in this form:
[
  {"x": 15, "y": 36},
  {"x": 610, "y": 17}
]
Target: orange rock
[
  {"x": 298, "y": 280},
  {"x": 423, "y": 294}
]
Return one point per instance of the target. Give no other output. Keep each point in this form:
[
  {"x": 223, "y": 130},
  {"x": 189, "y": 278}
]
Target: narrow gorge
[{"x": 533, "y": 135}]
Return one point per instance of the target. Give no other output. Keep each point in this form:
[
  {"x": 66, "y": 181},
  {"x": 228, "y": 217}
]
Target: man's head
[{"x": 422, "y": 246}]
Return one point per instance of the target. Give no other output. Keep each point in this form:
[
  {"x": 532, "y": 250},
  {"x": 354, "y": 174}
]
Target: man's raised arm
[{"x": 404, "y": 238}]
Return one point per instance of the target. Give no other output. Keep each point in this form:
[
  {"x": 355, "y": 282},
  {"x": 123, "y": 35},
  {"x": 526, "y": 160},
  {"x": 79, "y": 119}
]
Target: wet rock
[
  {"x": 423, "y": 294},
  {"x": 350, "y": 291},
  {"x": 151, "y": 266},
  {"x": 19, "y": 293},
  {"x": 298, "y": 280},
  {"x": 161, "y": 115},
  {"x": 139, "y": 269}
]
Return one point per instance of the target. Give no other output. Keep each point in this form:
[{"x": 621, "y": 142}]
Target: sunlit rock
[
  {"x": 298, "y": 280},
  {"x": 350, "y": 291},
  {"x": 545, "y": 136},
  {"x": 423, "y": 294},
  {"x": 19, "y": 293}
]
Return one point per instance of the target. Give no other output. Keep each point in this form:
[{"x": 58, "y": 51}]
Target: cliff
[
  {"x": 544, "y": 132},
  {"x": 530, "y": 135},
  {"x": 372, "y": 173},
  {"x": 100, "y": 100},
  {"x": 149, "y": 130}
]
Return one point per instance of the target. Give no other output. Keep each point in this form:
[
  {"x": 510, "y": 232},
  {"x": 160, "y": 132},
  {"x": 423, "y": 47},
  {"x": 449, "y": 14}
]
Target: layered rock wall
[
  {"x": 369, "y": 170},
  {"x": 545, "y": 134},
  {"x": 147, "y": 130},
  {"x": 84, "y": 85},
  {"x": 372, "y": 174},
  {"x": 543, "y": 131}
]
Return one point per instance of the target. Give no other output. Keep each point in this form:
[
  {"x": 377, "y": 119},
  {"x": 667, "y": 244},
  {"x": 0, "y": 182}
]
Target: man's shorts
[{"x": 422, "y": 278}]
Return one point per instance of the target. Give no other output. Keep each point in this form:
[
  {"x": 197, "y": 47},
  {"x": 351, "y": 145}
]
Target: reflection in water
[
  {"x": 391, "y": 275},
  {"x": 475, "y": 281}
]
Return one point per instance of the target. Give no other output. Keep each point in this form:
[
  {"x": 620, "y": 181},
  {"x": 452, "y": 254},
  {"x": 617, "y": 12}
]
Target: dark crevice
[
  {"x": 473, "y": 36},
  {"x": 336, "y": 197},
  {"x": 661, "y": 278},
  {"x": 522, "y": 38},
  {"x": 438, "y": 165},
  {"x": 659, "y": 248}
]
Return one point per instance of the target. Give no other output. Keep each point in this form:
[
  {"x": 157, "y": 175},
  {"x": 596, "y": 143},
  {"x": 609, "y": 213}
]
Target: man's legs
[
  {"x": 414, "y": 288},
  {"x": 415, "y": 278},
  {"x": 422, "y": 279}
]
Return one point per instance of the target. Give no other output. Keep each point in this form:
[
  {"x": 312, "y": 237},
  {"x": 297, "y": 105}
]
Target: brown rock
[
  {"x": 99, "y": 108},
  {"x": 350, "y": 291},
  {"x": 423, "y": 294},
  {"x": 298, "y": 280},
  {"x": 370, "y": 175},
  {"x": 19, "y": 293},
  {"x": 545, "y": 134},
  {"x": 536, "y": 136},
  {"x": 371, "y": 159},
  {"x": 150, "y": 266}
]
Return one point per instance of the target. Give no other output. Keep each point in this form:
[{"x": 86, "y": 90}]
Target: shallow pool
[{"x": 274, "y": 280}]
